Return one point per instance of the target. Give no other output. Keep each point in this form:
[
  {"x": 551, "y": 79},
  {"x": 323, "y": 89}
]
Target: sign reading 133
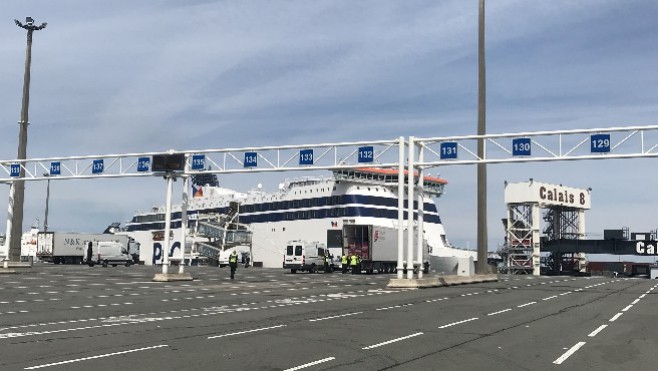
[{"x": 306, "y": 157}]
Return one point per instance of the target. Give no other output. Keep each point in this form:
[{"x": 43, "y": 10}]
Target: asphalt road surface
[{"x": 57, "y": 317}]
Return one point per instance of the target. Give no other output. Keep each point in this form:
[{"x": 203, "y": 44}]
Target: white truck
[
  {"x": 108, "y": 253},
  {"x": 70, "y": 248},
  {"x": 306, "y": 256},
  {"x": 375, "y": 245}
]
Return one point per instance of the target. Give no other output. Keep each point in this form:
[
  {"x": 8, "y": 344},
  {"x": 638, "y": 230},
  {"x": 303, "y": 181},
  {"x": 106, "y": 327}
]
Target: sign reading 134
[{"x": 250, "y": 159}]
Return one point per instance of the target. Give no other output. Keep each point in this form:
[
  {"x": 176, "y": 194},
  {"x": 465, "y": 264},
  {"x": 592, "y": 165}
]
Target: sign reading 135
[
  {"x": 198, "y": 162},
  {"x": 250, "y": 159}
]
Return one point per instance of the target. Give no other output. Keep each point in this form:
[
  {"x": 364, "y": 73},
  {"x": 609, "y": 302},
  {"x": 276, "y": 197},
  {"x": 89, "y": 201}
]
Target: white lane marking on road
[
  {"x": 615, "y": 317},
  {"x": 500, "y": 311},
  {"x": 642, "y": 296},
  {"x": 341, "y": 315},
  {"x": 627, "y": 308},
  {"x": 593, "y": 333},
  {"x": 635, "y": 301},
  {"x": 311, "y": 364},
  {"x": 94, "y": 357},
  {"x": 20, "y": 334},
  {"x": 392, "y": 341},
  {"x": 459, "y": 322},
  {"x": 550, "y": 297},
  {"x": 569, "y": 353},
  {"x": 526, "y": 304},
  {"x": 245, "y": 332}
]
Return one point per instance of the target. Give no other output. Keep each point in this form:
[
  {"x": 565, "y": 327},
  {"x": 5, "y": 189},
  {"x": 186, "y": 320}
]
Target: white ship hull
[{"x": 311, "y": 208}]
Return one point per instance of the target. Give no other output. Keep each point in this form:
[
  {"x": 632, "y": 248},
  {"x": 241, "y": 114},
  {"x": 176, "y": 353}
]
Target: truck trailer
[
  {"x": 376, "y": 246},
  {"x": 70, "y": 248}
]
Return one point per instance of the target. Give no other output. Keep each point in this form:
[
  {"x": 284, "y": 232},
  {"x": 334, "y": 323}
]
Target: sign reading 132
[
  {"x": 600, "y": 143},
  {"x": 250, "y": 159},
  {"x": 448, "y": 150},
  {"x": 366, "y": 154}
]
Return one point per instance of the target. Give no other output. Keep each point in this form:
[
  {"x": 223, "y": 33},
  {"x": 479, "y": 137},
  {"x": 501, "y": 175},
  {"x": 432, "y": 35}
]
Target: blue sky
[{"x": 137, "y": 76}]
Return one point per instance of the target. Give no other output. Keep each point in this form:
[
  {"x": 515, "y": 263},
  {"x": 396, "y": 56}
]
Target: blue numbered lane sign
[
  {"x": 198, "y": 162},
  {"x": 143, "y": 164},
  {"x": 600, "y": 143},
  {"x": 55, "y": 168},
  {"x": 250, "y": 159},
  {"x": 448, "y": 150},
  {"x": 366, "y": 154},
  {"x": 97, "y": 166},
  {"x": 15, "y": 170},
  {"x": 306, "y": 157},
  {"x": 521, "y": 147}
]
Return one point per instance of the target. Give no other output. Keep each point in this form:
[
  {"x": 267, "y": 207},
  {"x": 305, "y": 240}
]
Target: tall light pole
[
  {"x": 45, "y": 219},
  {"x": 481, "y": 168},
  {"x": 17, "y": 193}
]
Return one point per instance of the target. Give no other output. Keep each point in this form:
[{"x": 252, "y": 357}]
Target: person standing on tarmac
[
  {"x": 353, "y": 262},
  {"x": 343, "y": 260},
  {"x": 233, "y": 263},
  {"x": 326, "y": 263}
]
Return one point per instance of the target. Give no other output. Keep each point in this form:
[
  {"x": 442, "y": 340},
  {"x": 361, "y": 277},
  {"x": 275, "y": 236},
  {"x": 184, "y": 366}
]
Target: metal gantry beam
[
  {"x": 323, "y": 156},
  {"x": 542, "y": 146}
]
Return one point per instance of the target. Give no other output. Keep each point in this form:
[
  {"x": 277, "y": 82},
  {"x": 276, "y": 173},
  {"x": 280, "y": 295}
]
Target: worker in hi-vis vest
[
  {"x": 353, "y": 262},
  {"x": 343, "y": 260},
  {"x": 233, "y": 263}
]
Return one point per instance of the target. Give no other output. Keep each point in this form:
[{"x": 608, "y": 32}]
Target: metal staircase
[{"x": 221, "y": 231}]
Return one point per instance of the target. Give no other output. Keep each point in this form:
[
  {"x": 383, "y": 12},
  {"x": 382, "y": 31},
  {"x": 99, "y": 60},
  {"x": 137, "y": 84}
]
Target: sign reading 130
[
  {"x": 600, "y": 143},
  {"x": 250, "y": 159},
  {"x": 521, "y": 147}
]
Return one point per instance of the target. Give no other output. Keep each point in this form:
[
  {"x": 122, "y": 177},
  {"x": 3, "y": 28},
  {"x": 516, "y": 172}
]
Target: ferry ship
[{"x": 310, "y": 209}]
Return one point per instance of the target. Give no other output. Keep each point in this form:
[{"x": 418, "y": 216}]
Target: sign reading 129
[
  {"x": 600, "y": 143},
  {"x": 250, "y": 159}
]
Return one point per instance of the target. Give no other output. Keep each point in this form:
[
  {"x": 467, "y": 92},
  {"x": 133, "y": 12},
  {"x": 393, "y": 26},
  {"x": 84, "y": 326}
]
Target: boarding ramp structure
[
  {"x": 564, "y": 217},
  {"x": 221, "y": 232}
]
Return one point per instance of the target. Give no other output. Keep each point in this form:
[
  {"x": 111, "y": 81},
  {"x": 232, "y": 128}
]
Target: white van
[
  {"x": 305, "y": 256},
  {"x": 110, "y": 253}
]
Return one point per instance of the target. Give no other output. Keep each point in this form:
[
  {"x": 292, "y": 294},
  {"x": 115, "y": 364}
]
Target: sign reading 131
[
  {"x": 448, "y": 150},
  {"x": 250, "y": 159}
]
